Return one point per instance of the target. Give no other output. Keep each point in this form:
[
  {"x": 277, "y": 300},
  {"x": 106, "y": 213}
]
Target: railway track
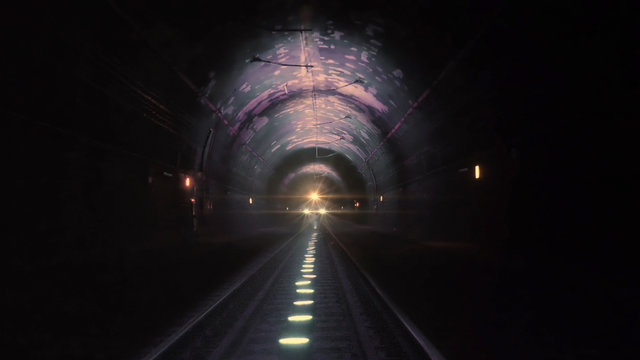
[{"x": 310, "y": 300}]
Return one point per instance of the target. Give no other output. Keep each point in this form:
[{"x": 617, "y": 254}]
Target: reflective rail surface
[{"x": 308, "y": 301}]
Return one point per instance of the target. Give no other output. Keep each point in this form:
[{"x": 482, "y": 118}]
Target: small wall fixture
[{"x": 477, "y": 171}]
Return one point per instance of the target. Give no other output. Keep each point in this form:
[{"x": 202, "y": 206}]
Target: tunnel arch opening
[{"x": 337, "y": 177}]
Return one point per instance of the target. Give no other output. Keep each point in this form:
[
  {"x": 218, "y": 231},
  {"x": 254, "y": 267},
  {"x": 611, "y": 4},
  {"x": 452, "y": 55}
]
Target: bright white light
[
  {"x": 308, "y": 276},
  {"x": 304, "y": 282},
  {"x": 323, "y": 211},
  {"x": 477, "y": 171},
  {"x": 305, "y": 291},
  {"x": 306, "y": 270},
  {"x": 306, "y": 211},
  {"x": 314, "y": 196}
]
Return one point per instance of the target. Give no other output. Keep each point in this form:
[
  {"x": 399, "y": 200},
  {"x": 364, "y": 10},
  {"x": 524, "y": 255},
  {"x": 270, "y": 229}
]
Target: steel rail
[
  {"x": 160, "y": 349},
  {"x": 418, "y": 336}
]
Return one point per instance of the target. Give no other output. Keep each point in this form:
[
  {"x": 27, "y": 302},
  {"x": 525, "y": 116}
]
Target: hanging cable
[
  {"x": 258, "y": 59},
  {"x": 314, "y": 103}
]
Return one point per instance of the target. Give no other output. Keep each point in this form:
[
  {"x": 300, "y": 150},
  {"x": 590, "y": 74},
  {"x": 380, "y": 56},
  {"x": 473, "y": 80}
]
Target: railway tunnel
[{"x": 167, "y": 153}]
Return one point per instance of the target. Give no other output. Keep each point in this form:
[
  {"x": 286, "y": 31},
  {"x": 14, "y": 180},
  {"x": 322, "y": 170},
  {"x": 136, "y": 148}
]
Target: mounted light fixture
[{"x": 477, "y": 171}]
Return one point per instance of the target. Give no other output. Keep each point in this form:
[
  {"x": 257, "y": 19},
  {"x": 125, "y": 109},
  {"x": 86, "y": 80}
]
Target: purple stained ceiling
[{"x": 325, "y": 88}]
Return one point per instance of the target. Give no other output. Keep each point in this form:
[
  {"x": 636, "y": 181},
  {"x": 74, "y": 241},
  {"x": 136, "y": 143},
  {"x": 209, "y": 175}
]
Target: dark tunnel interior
[{"x": 470, "y": 154}]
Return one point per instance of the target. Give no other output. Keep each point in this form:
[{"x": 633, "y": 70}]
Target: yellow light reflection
[
  {"x": 323, "y": 211},
  {"x": 303, "y": 302},
  {"x": 307, "y": 265},
  {"x": 306, "y": 211},
  {"x": 308, "y": 255},
  {"x": 308, "y": 276},
  {"x": 304, "y": 291},
  {"x": 294, "y": 341},
  {"x": 304, "y": 282},
  {"x": 306, "y": 270},
  {"x": 309, "y": 260},
  {"x": 300, "y": 318}
]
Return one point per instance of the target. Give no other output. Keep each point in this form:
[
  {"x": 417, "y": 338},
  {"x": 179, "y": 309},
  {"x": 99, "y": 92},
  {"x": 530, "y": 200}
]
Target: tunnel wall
[
  {"x": 454, "y": 128},
  {"x": 109, "y": 128}
]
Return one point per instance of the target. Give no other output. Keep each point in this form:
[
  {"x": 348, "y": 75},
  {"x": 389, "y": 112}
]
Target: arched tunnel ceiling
[
  {"x": 322, "y": 87},
  {"x": 281, "y": 76}
]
